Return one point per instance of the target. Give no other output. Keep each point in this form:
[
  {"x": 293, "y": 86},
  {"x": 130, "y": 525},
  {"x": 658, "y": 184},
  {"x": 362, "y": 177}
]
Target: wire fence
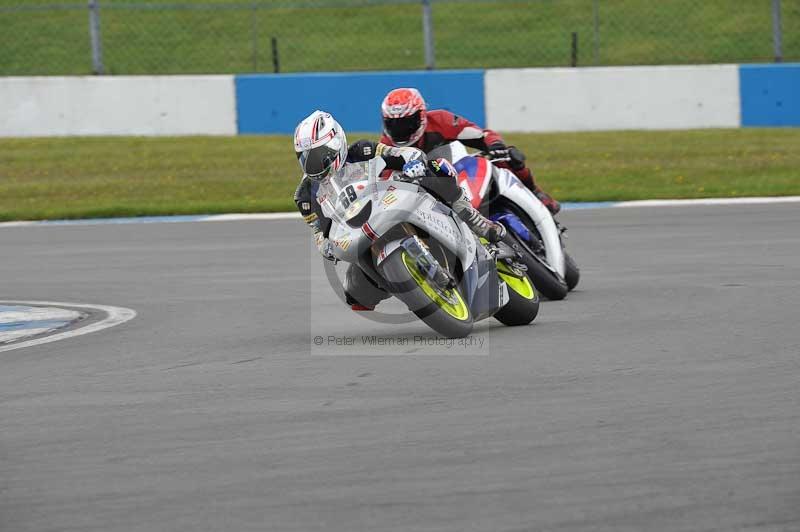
[{"x": 151, "y": 37}]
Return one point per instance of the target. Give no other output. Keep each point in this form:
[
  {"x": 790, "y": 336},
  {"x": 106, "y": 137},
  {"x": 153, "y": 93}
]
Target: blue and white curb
[
  {"x": 18, "y": 322},
  {"x": 271, "y": 216},
  {"x": 41, "y": 321}
]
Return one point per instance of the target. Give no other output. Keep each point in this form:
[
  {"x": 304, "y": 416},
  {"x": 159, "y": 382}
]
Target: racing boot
[
  {"x": 526, "y": 176},
  {"x": 360, "y": 292},
  {"x": 480, "y": 225},
  {"x": 547, "y": 200}
]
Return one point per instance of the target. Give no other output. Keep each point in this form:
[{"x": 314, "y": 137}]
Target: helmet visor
[
  {"x": 317, "y": 162},
  {"x": 401, "y": 129}
]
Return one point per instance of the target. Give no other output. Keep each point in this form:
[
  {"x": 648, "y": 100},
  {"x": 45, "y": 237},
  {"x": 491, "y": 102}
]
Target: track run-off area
[{"x": 661, "y": 395}]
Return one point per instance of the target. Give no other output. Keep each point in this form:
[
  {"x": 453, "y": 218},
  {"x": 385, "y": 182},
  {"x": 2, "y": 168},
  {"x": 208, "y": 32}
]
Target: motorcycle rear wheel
[{"x": 523, "y": 300}]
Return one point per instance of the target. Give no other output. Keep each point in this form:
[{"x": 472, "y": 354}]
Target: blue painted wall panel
[
  {"x": 275, "y": 103},
  {"x": 770, "y": 95}
]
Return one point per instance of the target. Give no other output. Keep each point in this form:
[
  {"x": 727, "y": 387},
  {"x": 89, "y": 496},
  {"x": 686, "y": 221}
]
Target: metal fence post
[
  {"x": 254, "y": 35},
  {"x": 574, "y": 50},
  {"x": 427, "y": 32},
  {"x": 777, "y": 32},
  {"x": 94, "y": 35},
  {"x": 596, "y": 22},
  {"x": 276, "y": 64}
]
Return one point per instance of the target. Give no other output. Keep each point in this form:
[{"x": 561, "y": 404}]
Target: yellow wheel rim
[
  {"x": 458, "y": 310},
  {"x": 520, "y": 285}
]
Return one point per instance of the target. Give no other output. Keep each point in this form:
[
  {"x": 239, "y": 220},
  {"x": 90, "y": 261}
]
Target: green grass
[
  {"x": 97, "y": 177},
  {"x": 374, "y": 35}
]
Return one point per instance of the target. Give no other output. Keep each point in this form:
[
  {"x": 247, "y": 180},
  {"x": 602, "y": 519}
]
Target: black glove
[
  {"x": 498, "y": 150},
  {"x": 511, "y": 154},
  {"x": 517, "y": 161},
  {"x": 362, "y": 150}
]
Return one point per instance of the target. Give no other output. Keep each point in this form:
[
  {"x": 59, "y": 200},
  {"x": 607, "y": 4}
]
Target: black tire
[
  {"x": 573, "y": 273},
  {"x": 519, "y": 310},
  {"x": 403, "y": 286},
  {"x": 549, "y": 283},
  {"x": 546, "y": 281}
]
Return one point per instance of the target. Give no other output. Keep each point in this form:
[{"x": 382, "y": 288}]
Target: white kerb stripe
[
  {"x": 709, "y": 201},
  {"x": 114, "y": 316},
  {"x": 251, "y": 216}
]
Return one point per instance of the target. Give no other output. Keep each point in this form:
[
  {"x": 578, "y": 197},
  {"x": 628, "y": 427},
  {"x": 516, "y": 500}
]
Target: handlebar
[{"x": 489, "y": 157}]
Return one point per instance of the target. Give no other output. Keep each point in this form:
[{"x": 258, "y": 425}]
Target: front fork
[{"x": 427, "y": 264}]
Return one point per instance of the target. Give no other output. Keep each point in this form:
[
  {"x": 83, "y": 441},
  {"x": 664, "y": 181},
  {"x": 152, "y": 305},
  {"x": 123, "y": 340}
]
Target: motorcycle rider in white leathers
[{"x": 322, "y": 151}]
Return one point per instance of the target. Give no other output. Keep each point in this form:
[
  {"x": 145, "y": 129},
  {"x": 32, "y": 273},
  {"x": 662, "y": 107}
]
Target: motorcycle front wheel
[
  {"x": 573, "y": 273},
  {"x": 444, "y": 311},
  {"x": 548, "y": 282}
]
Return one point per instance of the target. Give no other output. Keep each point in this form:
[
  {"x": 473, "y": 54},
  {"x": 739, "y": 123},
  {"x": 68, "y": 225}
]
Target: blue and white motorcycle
[{"x": 500, "y": 195}]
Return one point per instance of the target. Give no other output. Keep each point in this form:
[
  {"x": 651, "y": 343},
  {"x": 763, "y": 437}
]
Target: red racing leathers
[{"x": 444, "y": 127}]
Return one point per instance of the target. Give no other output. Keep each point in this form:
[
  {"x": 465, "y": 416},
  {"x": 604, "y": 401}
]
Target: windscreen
[{"x": 347, "y": 192}]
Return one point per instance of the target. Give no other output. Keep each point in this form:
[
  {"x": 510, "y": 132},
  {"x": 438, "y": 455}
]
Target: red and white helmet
[
  {"x": 320, "y": 145},
  {"x": 404, "y": 116}
]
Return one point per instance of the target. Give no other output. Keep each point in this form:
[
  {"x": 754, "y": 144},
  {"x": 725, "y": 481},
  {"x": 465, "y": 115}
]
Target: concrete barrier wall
[
  {"x": 276, "y": 103},
  {"x": 770, "y": 95},
  {"x": 175, "y": 105},
  {"x": 554, "y": 99},
  {"x": 575, "y": 99}
]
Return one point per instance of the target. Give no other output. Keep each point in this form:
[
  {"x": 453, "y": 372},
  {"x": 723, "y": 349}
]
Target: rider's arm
[
  {"x": 305, "y": 197},
  {"x": 454, "y": 127},
  {"x": 394, "y": 157}
]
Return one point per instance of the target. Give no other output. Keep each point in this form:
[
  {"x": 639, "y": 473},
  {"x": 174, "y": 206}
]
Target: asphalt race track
[{"x": 662, "y": 395}]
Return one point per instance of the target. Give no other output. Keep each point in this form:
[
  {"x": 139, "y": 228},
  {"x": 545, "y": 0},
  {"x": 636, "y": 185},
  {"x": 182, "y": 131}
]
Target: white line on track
[
  {"x": 156, "y": 219},
  {"x": 114, "y": 316},
  {"x": 252, "y": 216},
  {"x": 708, "y": 201},
  {"x": 296, "y": 215}
]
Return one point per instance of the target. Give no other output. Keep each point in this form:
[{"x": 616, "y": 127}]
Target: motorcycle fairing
[
  {"x": 509, "y": 186},
  {"x": 397, "y": 202},
  {"x": 474, "y": 176}
]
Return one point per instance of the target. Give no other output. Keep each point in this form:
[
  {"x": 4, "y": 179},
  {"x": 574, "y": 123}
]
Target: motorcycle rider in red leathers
[{"x": 407, "y": 122}]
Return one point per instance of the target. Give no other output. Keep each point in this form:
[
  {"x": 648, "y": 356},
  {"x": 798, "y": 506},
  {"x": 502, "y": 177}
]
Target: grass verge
[{"x": 98, "y": 177}]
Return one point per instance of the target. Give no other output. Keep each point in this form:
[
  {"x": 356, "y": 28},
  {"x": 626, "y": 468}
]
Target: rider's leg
[
  {"x": 526, "y": 176},
  {"x": 447, "y": 188},
  {"x": 480, "y": 225},
  {"x": 359, "y": 291}
]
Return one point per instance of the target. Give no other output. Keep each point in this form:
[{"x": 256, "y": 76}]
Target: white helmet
[{"x": 321, "y": 145}]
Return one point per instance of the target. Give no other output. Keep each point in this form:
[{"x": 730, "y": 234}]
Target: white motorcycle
[
  {"x": 500, "y": 195},
  {"x": 415, "y": 248}
]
